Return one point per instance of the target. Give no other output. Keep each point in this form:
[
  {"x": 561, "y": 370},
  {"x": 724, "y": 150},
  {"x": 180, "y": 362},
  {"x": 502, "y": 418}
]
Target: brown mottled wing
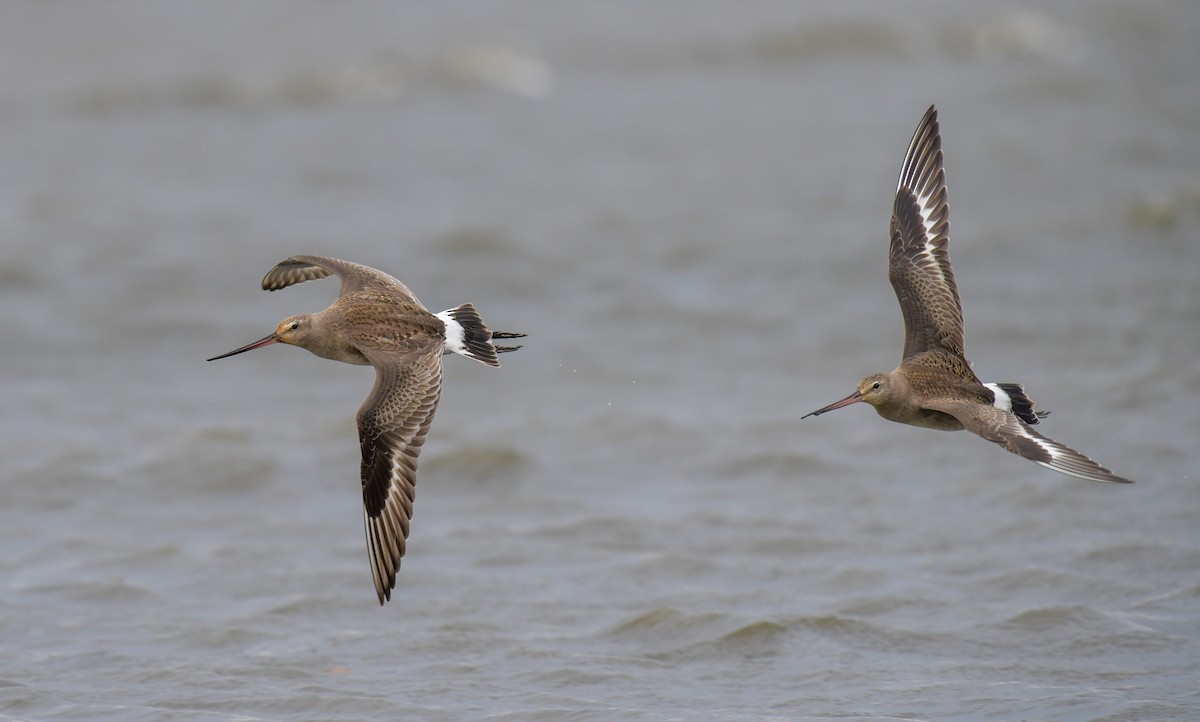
[
  {"x": 355, "y": 276},
  {"x": 927, "y": 372},
  {"x": 919, "y": 256},
  {"x": 392, "y": 424},
  {"x": 1004, "y": 428}
]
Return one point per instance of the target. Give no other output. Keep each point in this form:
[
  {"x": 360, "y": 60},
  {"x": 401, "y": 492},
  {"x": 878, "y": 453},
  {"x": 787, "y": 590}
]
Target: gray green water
[{"x": 685, "y": 205}]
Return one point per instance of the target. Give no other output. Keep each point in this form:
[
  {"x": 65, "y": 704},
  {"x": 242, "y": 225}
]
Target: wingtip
[
  {"x": 922, "y": 173},
  {"x": 929, "y": 121},
  {"x": 384, "y": 586},
  {"x": 1091, "y": 471}
]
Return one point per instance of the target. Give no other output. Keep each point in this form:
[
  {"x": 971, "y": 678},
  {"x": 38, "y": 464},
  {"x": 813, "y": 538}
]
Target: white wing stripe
[
  {"x": 927, "y": 212},
  {"x": 1065, "y": 460}
]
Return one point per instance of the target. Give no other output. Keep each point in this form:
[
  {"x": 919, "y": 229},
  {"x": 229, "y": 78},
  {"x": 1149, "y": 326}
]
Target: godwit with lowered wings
[{"x": 377, "y": 321}]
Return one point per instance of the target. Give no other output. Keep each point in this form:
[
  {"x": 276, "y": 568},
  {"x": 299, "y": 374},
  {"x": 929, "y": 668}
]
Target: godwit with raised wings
[{"x": 934, "y": 386}]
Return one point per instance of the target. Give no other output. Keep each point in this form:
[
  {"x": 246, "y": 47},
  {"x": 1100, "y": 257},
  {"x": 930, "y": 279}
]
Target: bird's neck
[
  {"x": 329, "y": 340},
  {"x": 899, "y": 404}
]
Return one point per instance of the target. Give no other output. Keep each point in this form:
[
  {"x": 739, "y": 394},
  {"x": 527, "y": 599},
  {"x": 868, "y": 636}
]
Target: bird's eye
[
  {"x": 296, "y": 325},
  {"x": 875, "y": 386}
]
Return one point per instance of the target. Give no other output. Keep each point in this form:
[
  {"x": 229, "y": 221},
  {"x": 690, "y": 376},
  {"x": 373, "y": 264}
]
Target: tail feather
[
  {"x": 506, "y": 334},
  {"x": 1017, "y": 401},
  {"x": 467, "y": 334}
]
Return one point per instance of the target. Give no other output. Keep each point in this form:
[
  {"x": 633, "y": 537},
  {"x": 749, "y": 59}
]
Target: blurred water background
[{"x": 685, "y": 205}]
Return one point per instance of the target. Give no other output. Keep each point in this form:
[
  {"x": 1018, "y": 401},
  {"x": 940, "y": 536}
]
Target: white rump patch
[
  {"x": 1003, "y": 401},
  {"x": 454, "y": 333}
]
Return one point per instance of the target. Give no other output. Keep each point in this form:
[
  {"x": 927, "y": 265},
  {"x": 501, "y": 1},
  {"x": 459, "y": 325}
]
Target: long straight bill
[
  {"x": 249, "y": 347},
  {"x": 852, "y": 398}
]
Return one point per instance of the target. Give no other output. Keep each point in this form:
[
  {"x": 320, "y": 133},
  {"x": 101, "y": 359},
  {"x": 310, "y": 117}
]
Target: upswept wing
[
  {"x": 355, "y": 276},
  {"x": 919, "y": 256}
]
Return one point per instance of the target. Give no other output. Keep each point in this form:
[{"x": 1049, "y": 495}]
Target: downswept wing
[
  {"x": 919, "y": 256},
  {"x": 392, "y": 425},
  {"x": 1004, "y": 428}
]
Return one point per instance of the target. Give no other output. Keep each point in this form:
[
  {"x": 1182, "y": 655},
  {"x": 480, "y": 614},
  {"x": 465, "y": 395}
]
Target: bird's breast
[{"x": 917, "y": 416}]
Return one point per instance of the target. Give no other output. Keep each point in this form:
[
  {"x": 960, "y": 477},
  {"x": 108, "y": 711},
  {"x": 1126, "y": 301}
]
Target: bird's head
[
  {"x": 875, "y": 390},
  {"x": 293, "y": 331}
]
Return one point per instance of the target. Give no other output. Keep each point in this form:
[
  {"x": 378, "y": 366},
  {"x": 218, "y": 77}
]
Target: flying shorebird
[
  {"x": 377, "y": 321},
  {"x": 934, "y": 386}
]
